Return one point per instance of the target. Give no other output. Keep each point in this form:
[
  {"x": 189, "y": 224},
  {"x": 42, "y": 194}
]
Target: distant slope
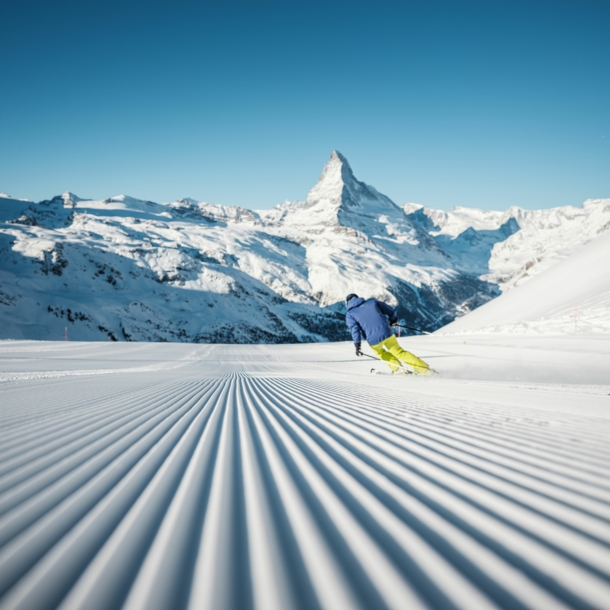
[{"x": 572, "y": 296}]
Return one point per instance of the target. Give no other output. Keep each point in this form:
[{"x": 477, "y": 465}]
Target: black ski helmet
[{"x": 350, "y": 296}]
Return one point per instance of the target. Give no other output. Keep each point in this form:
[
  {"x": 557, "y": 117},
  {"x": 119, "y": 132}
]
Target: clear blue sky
[{"x": 478, "y": 103}]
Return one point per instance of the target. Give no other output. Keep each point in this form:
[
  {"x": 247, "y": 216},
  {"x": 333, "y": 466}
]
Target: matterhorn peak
[
  {"x": 338, "y": 162},
  {"x": 335, "y": 176},
  {"x": 339, "y": 190}
]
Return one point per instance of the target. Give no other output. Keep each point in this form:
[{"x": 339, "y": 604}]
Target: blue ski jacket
[{"x": 369, "y": 319}]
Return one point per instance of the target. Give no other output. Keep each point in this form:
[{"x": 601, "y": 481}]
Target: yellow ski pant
[{"x": 389, "y": 351}]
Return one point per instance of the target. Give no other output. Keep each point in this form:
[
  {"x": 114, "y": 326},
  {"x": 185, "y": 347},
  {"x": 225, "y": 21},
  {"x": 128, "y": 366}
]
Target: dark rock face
[
  {"x": 243, "y": 333},
  {"x": 50, "y": 214},
  {"x": 328, "y": 324},
  {"x": 430, "y": 308}
]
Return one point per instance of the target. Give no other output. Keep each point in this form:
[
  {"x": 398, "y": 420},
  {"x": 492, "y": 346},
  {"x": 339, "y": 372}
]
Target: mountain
[
  {"x": 357, "y": 240},
  {"x": 572, "y": 296},
  {"x": 508, "y": 248},
  {"x": 128, "y": 269}
]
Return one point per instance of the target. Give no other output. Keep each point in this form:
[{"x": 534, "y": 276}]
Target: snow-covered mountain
[
  {"x": 508, "y": 248},
  {"x": 129, "y": 269},
  {"x": 357, "y": 240}
]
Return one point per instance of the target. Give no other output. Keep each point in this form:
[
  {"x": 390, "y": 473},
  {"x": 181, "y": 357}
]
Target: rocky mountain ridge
[
  {"x": 514, "y": 245},
  {"x": 127, "y": 269}
]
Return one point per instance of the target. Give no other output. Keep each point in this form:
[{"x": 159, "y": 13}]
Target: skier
[{"x": 370, "y": 319}]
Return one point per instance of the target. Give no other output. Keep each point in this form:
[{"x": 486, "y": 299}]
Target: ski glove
[{"x": 358, "y": 350}]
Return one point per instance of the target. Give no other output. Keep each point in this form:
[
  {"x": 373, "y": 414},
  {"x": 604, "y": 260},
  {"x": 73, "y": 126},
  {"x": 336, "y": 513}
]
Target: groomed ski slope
[{"x": 276, "y": 477}]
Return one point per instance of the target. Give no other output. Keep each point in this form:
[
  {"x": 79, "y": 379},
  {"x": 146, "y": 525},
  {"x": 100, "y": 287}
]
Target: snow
[
  {"x": 138, "y": 475},
  {"x": 7, "y": 196},
  {"x": 571, "y": 297},
  {"x": 12, "y": 208}
]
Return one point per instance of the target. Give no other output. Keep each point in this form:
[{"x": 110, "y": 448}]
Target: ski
[
  {"x": 403, "y": 372},
  {"x": 389, "y": 373}
]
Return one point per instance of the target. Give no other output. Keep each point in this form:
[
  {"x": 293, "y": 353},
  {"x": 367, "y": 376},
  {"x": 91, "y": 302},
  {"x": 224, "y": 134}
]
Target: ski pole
[
  {"x": 400, "y": 366},
  {"x": 418, "y": 330}
]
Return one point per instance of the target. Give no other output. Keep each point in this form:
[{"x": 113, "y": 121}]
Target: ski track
[{"x": 247, "y": 477}]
